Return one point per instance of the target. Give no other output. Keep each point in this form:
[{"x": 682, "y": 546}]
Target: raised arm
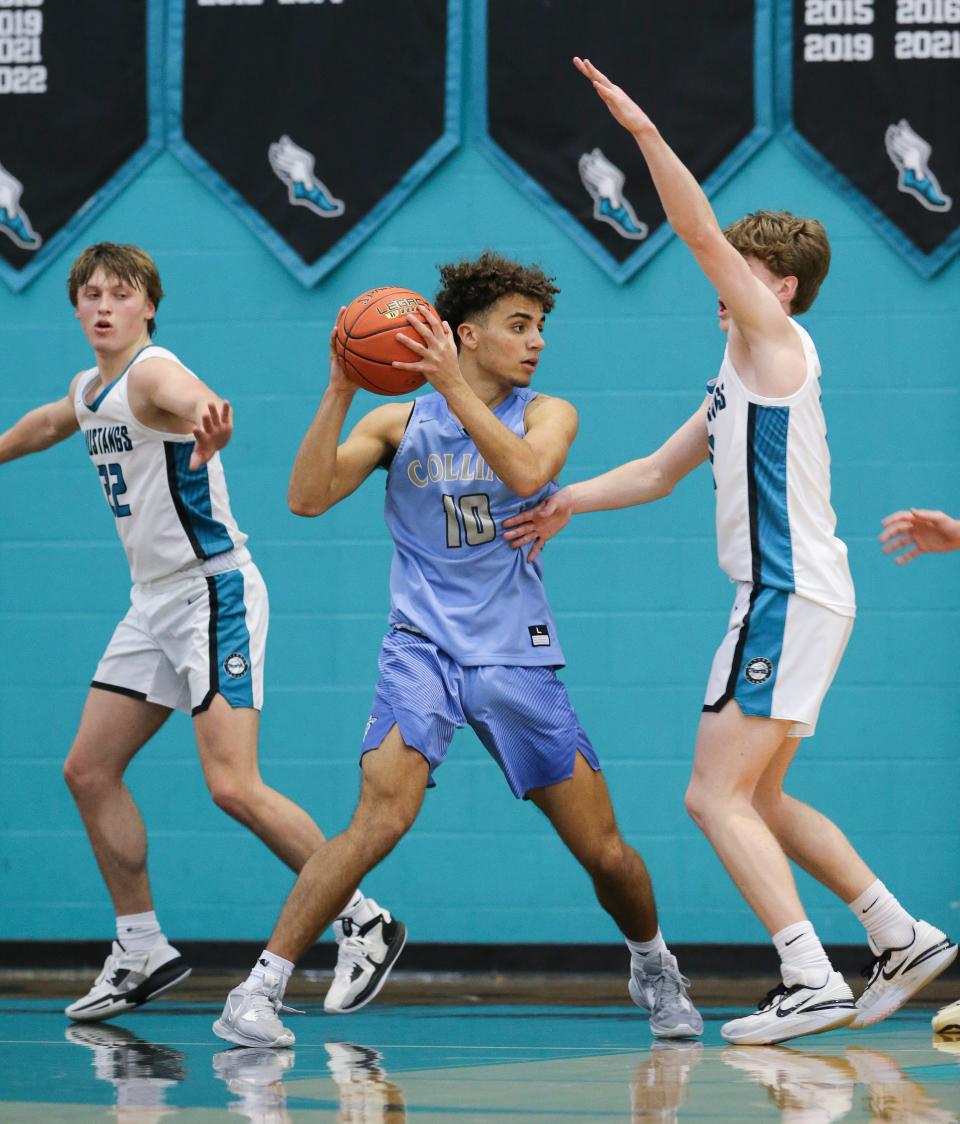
[
  {"x": 324, "y": 471},
  {"x": 752, "y": 305},
  {"x": 525, "y": 463},
  {"x": 40, "y": 428},
  {"x": 640, "y": 481}
]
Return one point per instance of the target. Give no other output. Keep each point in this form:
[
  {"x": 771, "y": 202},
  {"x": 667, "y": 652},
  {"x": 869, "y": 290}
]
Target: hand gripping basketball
[{"x": 366, "y": 341}]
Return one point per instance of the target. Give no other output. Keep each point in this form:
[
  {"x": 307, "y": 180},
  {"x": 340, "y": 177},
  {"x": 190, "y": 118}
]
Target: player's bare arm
[
  {"x": 919, "y": 531},
  {"x": 325, "y": 471},
  {"x": 40, "y": 428},
  {"x": 770, "y": 348},
  {"x": 166, "y": 397},
  {"x": 636, "y": 482},
  {"x": 525, "y": 464}
]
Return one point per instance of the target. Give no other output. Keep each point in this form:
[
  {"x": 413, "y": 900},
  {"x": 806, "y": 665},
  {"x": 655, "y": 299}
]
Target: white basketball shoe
[
  {"x": 790, "y": 1011},
  {"x": 898, "y": 973},
  {"x": 128, "y": 980},
  {"x": 251, "y": 1014},
  {"x": 365, "y": 955}
]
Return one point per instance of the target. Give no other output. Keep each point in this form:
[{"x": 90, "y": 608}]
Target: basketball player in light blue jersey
[
  {"x": 194, "y": 636},
  {"x": 762, "y": 427},
  {"x": 472, "y": 640}
]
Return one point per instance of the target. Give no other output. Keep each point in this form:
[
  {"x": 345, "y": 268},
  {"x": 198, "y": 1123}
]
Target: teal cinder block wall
[{"x": 638, "y": 596}]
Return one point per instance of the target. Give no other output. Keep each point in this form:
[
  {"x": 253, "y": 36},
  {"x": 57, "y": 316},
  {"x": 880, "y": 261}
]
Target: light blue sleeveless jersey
[{"x": 454, "y": 578}]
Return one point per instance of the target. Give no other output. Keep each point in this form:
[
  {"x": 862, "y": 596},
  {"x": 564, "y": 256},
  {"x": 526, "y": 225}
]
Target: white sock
[
  {"x": 360, "y": 910},
  {"x": 641, "y": 949},
  {"x": 887, "y": 923},
  {"x": 139, "y": 932},
  {"x": 802, "y": 959},
  {"x": 269, "y": 962}
]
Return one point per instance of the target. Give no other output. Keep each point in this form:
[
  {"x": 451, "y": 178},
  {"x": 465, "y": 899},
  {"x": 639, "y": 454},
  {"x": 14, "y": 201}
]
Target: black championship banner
[
  {"x": 700, "y": 68},
  {"x": 80, "y": 116},
  {"x": 313, "y": 120},
  {"x": 867, "y": 95}
]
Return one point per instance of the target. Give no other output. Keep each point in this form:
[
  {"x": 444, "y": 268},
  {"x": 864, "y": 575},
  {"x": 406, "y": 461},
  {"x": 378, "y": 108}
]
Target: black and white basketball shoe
[
  {"x": 365, "y": 955},
  {"x": 790, "y": 1011},
  {"x": 895, "y": 974},
  {"x": 128, "y": 980}
]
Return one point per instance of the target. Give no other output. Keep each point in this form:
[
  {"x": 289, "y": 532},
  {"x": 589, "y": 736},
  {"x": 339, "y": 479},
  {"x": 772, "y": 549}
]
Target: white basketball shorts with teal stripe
[
  {"x": 778, "y": 658},
  {"x": 191, "y": 636}
]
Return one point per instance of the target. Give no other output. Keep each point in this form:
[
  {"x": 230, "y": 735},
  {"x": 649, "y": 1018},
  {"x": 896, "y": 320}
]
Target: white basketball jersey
[
  {"x": 771, "y": 468},
  {"x": 167, "y": 517}
]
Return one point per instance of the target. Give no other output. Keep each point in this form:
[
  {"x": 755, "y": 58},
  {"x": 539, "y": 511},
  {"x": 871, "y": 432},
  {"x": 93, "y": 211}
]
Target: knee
[
  {"x": 378, "y": 832},
  {"x": 608, "y": 860},
  {"x": 392, "y": 827},
  {"x": 232, "y": 796},
  {"x": 84, "y": 777},
  {"x": 705, "y": 806},
  {"x": 697, "y": 802}
]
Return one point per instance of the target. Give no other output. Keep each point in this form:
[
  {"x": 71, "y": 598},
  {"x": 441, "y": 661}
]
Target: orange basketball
[{"x": 366, "y": 339}]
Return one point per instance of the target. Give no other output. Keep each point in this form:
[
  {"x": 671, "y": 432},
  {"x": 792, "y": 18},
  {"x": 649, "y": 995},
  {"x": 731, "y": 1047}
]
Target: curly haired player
[{"x": 472, "y": 640}]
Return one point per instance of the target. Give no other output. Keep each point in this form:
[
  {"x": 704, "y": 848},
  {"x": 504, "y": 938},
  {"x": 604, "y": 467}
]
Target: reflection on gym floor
[{"x": 497, "y": 1064}]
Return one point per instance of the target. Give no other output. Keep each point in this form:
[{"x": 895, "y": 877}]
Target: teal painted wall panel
[{"x": 640, "y": 603}]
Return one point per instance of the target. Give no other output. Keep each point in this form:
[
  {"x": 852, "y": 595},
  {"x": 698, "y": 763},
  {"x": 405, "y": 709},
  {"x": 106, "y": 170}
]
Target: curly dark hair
[{"x": 469, "y": 288}]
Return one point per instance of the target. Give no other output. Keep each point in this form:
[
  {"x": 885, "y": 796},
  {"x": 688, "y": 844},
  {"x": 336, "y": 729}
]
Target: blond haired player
[
  {"x": 763, "y": 430},
  {"x": 194, "y": 636}
]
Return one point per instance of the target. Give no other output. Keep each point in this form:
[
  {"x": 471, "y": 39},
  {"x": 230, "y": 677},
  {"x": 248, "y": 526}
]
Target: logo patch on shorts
[
  {"x": 369, "y": 725},
  {"x": 235, "y": 665},
  {"x": 758, "y": 670},
  {"x": 539, "y": 635}
]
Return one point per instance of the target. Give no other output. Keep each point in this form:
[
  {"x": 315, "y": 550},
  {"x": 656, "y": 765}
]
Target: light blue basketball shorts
[{"x": 522, "y": 715}]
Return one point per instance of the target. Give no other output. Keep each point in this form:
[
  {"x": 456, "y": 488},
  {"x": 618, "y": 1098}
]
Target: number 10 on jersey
[{"x": 468, "y": 517}]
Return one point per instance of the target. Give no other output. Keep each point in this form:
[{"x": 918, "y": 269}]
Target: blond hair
[
  {"x": 788, "y": 246},
  {"x": 128, "y": 264}
]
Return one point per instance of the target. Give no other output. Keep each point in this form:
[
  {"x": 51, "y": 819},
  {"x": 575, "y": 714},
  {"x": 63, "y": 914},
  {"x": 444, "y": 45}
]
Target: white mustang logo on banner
[
  {"x": 294, "y": 165},
  {"x": 14, "y": 222},
  {"x": 604, "y": 181},
  {"x": 911, "y": 154}
]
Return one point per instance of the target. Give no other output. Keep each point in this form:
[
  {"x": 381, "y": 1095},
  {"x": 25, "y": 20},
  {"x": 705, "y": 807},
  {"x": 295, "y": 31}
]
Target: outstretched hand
[
  {"x": 432, "y": 340},
  {"x": 624, "y": 109},
  {"x": 211, "y": 434},
  {"x": 917, "y": 532},
  {"x": 540, "y": 523}
]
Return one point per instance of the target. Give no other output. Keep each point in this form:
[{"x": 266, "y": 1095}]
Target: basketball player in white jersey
[
  {"x": 193, "y": 638},
  {"x": 763, "y": 430}
]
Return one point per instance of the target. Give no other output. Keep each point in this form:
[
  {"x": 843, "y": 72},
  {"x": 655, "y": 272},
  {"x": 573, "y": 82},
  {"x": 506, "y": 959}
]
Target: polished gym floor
[{"x": 468, "y": 1063}]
